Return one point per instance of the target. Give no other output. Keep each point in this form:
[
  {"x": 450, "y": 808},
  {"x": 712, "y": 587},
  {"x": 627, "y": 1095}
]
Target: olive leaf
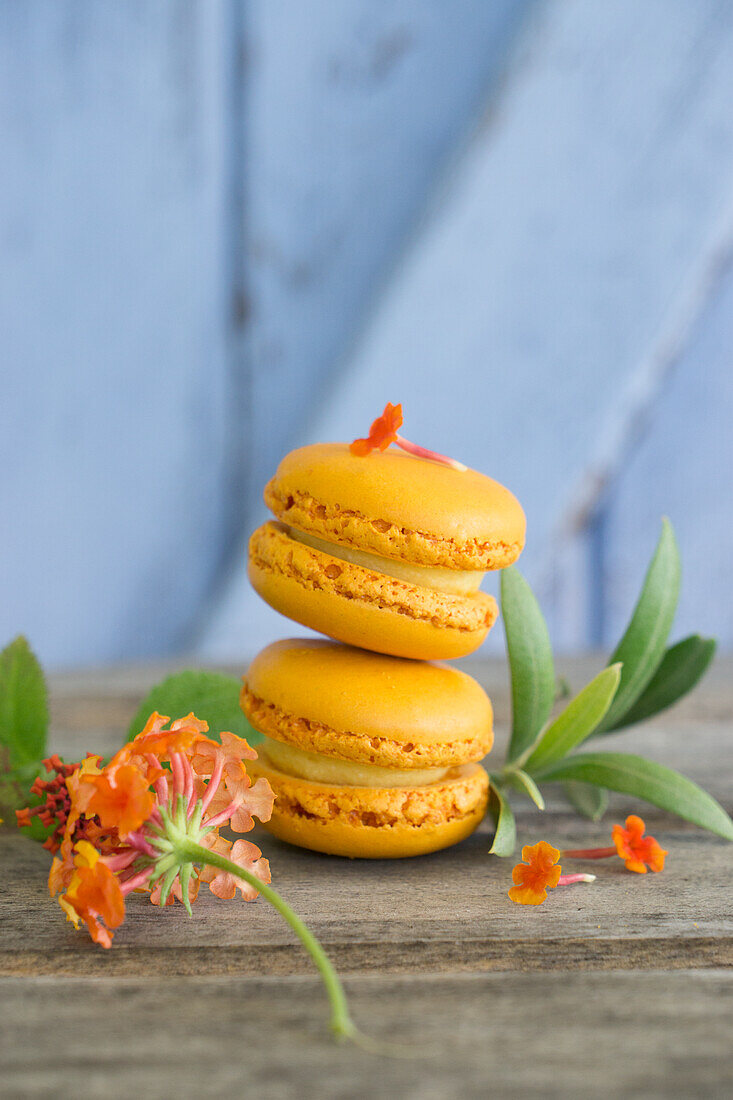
[
  {"x": 577, "y": 721},
  {"x": 505, "y": 830},
  {"x": 642, "y": 647},
  {"x": 655, "y": 783},
  {"x": 589, "y": 801},
  {"x": 524, "y": 783},
  {"x": 682, "y": 667},
  {"x": 530, "y": 661}
]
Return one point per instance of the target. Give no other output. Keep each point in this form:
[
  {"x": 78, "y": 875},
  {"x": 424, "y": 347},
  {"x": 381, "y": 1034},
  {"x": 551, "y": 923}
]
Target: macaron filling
[
  {"x": 318, "y": 768},
  {"x": 457, "y": 582}
]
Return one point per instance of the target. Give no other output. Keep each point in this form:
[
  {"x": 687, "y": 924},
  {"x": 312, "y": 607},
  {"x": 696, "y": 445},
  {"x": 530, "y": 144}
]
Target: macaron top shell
[
  {"x": 399, "y": 506},
  {"x": 369, "y": 695}
]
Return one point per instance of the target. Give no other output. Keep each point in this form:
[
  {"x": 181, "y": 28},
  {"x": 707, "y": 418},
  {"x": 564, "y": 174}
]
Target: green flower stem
[{"x": 341, "y": 1022}]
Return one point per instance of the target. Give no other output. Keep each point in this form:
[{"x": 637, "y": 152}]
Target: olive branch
[{"x": 643, "y": 677}]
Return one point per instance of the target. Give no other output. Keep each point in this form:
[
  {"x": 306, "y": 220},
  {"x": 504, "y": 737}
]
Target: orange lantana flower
[
  {"x": 382, "y": 432},
  {"x": 637, "y": 851},
  {"x": 246, "y": 855},
  {"x": 93, "y": 893},
  {"x": 184, "y": 733},
  {"x": 539, "y": 873},
  {"x": 121, "y": 798},
  {"x": 135, "y": 811}
]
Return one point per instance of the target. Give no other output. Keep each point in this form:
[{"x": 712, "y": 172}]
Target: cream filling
[
  {"x": 343, "y": 773},
  {"x": 458, "y": 582}
]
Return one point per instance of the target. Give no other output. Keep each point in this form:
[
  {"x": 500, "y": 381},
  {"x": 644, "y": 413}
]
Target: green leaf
[
  {"x": 591, "y": 802},
  {"x": 577, "y": 721},
  {"x": 530, "y": 661},
  {"x": 682, "y": 666},
  {"x": 505, "y": 834},
  {"x": 23, "y": 704},
  {"x": 210, "y": 695},
  {"x": 525, "y": 784},
  {"x": 642, "y": 647},
  {"x": 630, "y": 774}
]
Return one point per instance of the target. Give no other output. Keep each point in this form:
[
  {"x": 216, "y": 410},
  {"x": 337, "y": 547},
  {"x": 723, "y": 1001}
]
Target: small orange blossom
[
  {"x": 382, "y": 432},
  {"x": 93, "y": 893},
  {"x": 121, "y": 798},
  {"x": 539, "y": 873},
  {"x": 637, "y": 851}
]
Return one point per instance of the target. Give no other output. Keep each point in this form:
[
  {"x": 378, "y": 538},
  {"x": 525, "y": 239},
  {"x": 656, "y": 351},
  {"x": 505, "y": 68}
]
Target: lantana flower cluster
[{"x": 133, "y": 824}]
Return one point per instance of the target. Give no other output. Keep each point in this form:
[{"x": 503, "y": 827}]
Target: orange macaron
[
  {"x": 387, "y": 551},
  {"x": 369, "y": 756}
]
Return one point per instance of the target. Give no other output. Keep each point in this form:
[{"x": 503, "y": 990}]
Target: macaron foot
[
  {"x": 363, "y": 607},
  {"x": 376, "y": 823}
]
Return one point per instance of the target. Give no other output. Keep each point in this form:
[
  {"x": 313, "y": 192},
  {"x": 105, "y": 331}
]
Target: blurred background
[{"x": 232, "y": 227}]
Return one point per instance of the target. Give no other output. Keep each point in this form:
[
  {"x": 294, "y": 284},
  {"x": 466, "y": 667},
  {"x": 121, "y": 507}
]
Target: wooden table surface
[{"x": 622, "y": 988}]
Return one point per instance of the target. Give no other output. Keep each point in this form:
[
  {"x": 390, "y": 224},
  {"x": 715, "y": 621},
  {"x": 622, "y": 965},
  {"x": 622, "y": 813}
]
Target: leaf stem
[{"x": 341, "y": 1023}]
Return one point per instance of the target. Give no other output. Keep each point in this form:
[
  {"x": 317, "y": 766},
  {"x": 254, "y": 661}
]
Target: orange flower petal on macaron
[
  {"x": 638, "y": 851},
  {"x": 382, "y": 433},
  {"x": 539, "y": 873}
]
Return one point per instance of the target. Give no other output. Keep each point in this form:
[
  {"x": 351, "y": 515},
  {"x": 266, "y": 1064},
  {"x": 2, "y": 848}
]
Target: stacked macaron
[{"x": 373, "y": 751}]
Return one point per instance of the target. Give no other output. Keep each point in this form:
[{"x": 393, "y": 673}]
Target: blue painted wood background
[{"x": 228, "y": 228}]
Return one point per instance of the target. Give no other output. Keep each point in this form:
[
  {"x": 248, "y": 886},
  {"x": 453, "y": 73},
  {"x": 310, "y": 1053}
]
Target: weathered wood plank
[
  {"x": 613, "y": 1035},
  {"x": 685, "y": 466},
  {"x": 353, "y": 112},
  {"x": 448, "y": 910},
  {"x": 492, "y": 996},
  {"x": 112, "y": 312},
  {"x": 513, "y": 329}
]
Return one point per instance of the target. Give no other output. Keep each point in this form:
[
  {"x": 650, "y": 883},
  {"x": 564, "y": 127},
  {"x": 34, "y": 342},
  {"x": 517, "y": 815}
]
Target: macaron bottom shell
[
  {"x": 373, "y": 822},
  {"x": 362, "y": 607}
]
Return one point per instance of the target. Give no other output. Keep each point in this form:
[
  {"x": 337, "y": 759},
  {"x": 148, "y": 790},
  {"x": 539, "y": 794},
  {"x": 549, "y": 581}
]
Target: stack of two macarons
[{"x": 371, "y": 747}]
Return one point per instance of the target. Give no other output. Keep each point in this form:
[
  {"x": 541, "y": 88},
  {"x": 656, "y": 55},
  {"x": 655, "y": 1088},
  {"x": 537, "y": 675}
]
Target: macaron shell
[
  {"x": 365, "y": 608},
  {"x": 399, "y": 506},
  {"x": 385, "y": 752},
  {"x": 365, "y": 707},
  {"x": 376, "y": 823}
]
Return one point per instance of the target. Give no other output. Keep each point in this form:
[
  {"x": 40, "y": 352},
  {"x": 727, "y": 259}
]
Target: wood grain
[
  {"x": 449, "y": 909},
  {"x": 654, "y": 1035}
]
